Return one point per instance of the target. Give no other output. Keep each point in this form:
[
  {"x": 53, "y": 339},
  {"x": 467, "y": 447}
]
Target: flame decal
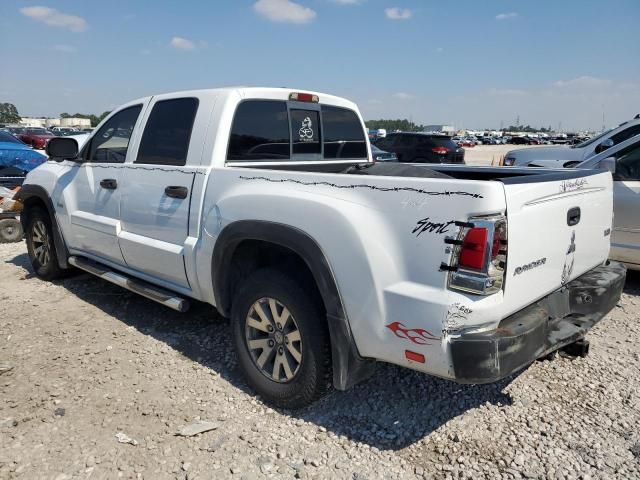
[{"x": 419, "y": 336}]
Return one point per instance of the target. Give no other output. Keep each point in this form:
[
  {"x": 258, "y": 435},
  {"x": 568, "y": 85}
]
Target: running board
[{"x": 140, "y": 287}]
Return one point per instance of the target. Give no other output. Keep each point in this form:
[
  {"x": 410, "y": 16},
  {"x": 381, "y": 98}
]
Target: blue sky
[{"x": 472, "y": 63}]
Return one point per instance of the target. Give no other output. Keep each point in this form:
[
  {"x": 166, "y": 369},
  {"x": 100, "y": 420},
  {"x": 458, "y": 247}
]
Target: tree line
[{"x": 391, "y": 125}]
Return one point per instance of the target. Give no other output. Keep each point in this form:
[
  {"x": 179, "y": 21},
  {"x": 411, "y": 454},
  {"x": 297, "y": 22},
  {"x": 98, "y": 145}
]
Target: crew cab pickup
[{"x": 266, "y": 203}]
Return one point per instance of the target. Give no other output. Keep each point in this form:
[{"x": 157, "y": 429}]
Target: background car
[
  {"x": 523, "y": 140},
  {"x": 623, "y": 161},
  {"x": 568, "y": 156},
  {"x": 421, "y": 148},
  {"x": 36, "y": 137},
  {"x": 14, "y": 154},
  {"x": 382, "y": 156}
]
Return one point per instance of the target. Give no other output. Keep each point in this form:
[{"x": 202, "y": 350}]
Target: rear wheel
[
  {"x": 40, "y": 247},
  {"x": 10, "y": 230},
  {"x": 281, "y": 339}
]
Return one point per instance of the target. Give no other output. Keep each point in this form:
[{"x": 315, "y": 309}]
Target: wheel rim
[
  {"x": 273, "y": 340},
  {"x": 40, "y": 240}
]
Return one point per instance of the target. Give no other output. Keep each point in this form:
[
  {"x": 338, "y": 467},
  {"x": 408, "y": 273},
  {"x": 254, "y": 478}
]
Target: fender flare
[
  {"x": 349, "y": 367},
  {"x": 36, "y": 191}
]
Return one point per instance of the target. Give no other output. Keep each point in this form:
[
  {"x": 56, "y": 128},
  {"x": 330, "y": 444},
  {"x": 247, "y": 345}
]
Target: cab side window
[
  {"x": 628, "y": 164},
  {"x": 111, "y": 142},
  {"x": 166, "y": 136}
]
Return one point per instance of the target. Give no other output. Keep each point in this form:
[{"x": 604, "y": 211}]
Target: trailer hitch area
[{"x": 579, "y": 348}]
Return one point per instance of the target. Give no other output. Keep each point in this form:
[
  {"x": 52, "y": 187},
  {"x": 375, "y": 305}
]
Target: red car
[{"x": 36, "y": 137}]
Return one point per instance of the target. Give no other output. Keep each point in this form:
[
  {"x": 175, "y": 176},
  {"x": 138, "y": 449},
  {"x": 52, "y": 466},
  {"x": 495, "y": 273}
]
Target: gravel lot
[{"x": 86, "y": 366}]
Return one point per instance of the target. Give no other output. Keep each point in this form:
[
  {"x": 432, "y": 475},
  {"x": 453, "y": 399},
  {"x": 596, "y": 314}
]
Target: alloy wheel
[
  {"x": 40, "y": 239},
  {"x": 273, "y": 340}
]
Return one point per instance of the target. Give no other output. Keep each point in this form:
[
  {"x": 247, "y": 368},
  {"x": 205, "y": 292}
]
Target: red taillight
[
  {"x": 473, "y": 249},
  {"x": 304, "y": 97},
  {"x": 440, "y": 150}
]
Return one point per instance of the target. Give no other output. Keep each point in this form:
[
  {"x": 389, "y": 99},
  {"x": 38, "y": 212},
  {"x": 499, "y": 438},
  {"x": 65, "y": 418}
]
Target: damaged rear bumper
[{"x": 557, "y": 320}]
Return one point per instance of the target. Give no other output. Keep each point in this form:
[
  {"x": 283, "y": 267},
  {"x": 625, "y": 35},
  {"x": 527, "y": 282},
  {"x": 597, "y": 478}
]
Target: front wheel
[
  {"x": 40, "y": 247},
  {"x": 281, "y": 339}
]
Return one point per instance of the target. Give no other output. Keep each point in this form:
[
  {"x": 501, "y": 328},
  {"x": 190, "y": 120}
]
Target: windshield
[
  {"x": 7, "y": 137},
  {"x": 586, "y": 143}
]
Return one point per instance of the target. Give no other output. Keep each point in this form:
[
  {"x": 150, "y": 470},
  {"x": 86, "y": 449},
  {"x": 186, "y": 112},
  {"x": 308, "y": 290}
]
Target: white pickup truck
[{"x": 265, "y": 203}]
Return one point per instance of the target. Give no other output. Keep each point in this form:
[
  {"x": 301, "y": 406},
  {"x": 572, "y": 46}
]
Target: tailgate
[{"x": 558, "y": 228}]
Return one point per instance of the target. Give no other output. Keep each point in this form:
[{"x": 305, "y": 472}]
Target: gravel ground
[{"x": 96, "y": 382}]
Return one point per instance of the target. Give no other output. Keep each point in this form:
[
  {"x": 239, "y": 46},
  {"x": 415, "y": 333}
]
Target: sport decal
[
  {"x": 419, "y": 336},
  {"x": 426, "y": 225}
]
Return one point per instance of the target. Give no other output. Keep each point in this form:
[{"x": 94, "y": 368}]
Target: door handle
[
  {"x": 174, "y": 191},
  {"x": 573, "y": 216},
  {"x": 109, "y": 183}
]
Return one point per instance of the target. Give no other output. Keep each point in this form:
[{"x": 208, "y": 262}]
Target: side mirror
[
  {"x": 608, "y": 143},
  {"x": 609, "y": 164},
  {"x": 62, "y": 148}
]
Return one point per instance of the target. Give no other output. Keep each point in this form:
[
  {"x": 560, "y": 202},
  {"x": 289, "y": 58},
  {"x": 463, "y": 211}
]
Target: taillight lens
[
  {"x": 478, "y": 261},
  {"x": 440, "y": 150},
  {"x": 473, "y": 249}
]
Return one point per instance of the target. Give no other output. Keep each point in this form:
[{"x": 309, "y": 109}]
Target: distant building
[
  {"x": 55, "y": 122},
  {"x": 445, "y": 129}
]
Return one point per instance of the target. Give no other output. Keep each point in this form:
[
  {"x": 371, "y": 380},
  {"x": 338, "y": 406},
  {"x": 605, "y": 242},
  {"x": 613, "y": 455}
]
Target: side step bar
[{"x": 140, "y": 287}]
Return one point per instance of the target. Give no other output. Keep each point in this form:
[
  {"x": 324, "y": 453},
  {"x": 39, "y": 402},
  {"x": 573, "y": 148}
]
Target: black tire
[
  {"x": 45, "y": 266},
  {"x": 312, "y": 376},
  {"x": 10, "y": 230}
]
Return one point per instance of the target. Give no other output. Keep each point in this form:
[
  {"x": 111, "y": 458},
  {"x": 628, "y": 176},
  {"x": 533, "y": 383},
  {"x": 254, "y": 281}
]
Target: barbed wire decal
[{"x": 364, "y": 185}]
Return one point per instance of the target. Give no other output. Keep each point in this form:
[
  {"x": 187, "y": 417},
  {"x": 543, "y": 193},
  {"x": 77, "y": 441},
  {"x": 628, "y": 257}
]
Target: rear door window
[
  {"x": 343, "y": 134},
  {"x": 305, "y": 130},
  {"x": 260, "y": 131},
  {"x": 166, "y": 136}
]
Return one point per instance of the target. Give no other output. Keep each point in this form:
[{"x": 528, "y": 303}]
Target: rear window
[
  {"x": 271, "y": 130},
  {"x": 166, "y": 136},
  {"x": 443, "y": 142},
  {"x": 260, "y": 131},
  {"x": 343, "y": 134}
]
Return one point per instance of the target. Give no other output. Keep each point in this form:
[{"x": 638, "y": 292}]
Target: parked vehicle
[
  {"x": 421, "y": 148},
  {"x": 623, "y": 161},
  {"x": 382, "y": 156},
  {"x": 568, "y": 156},
  {"x": 14, "y": 154},
  {"x": 523, "y": 140},
  {"x": 15, "y": 131},
  {"x": 64, "y": 131},
  {"x": 266, "y": 203},
  {"x": 36, "y": 137}
]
